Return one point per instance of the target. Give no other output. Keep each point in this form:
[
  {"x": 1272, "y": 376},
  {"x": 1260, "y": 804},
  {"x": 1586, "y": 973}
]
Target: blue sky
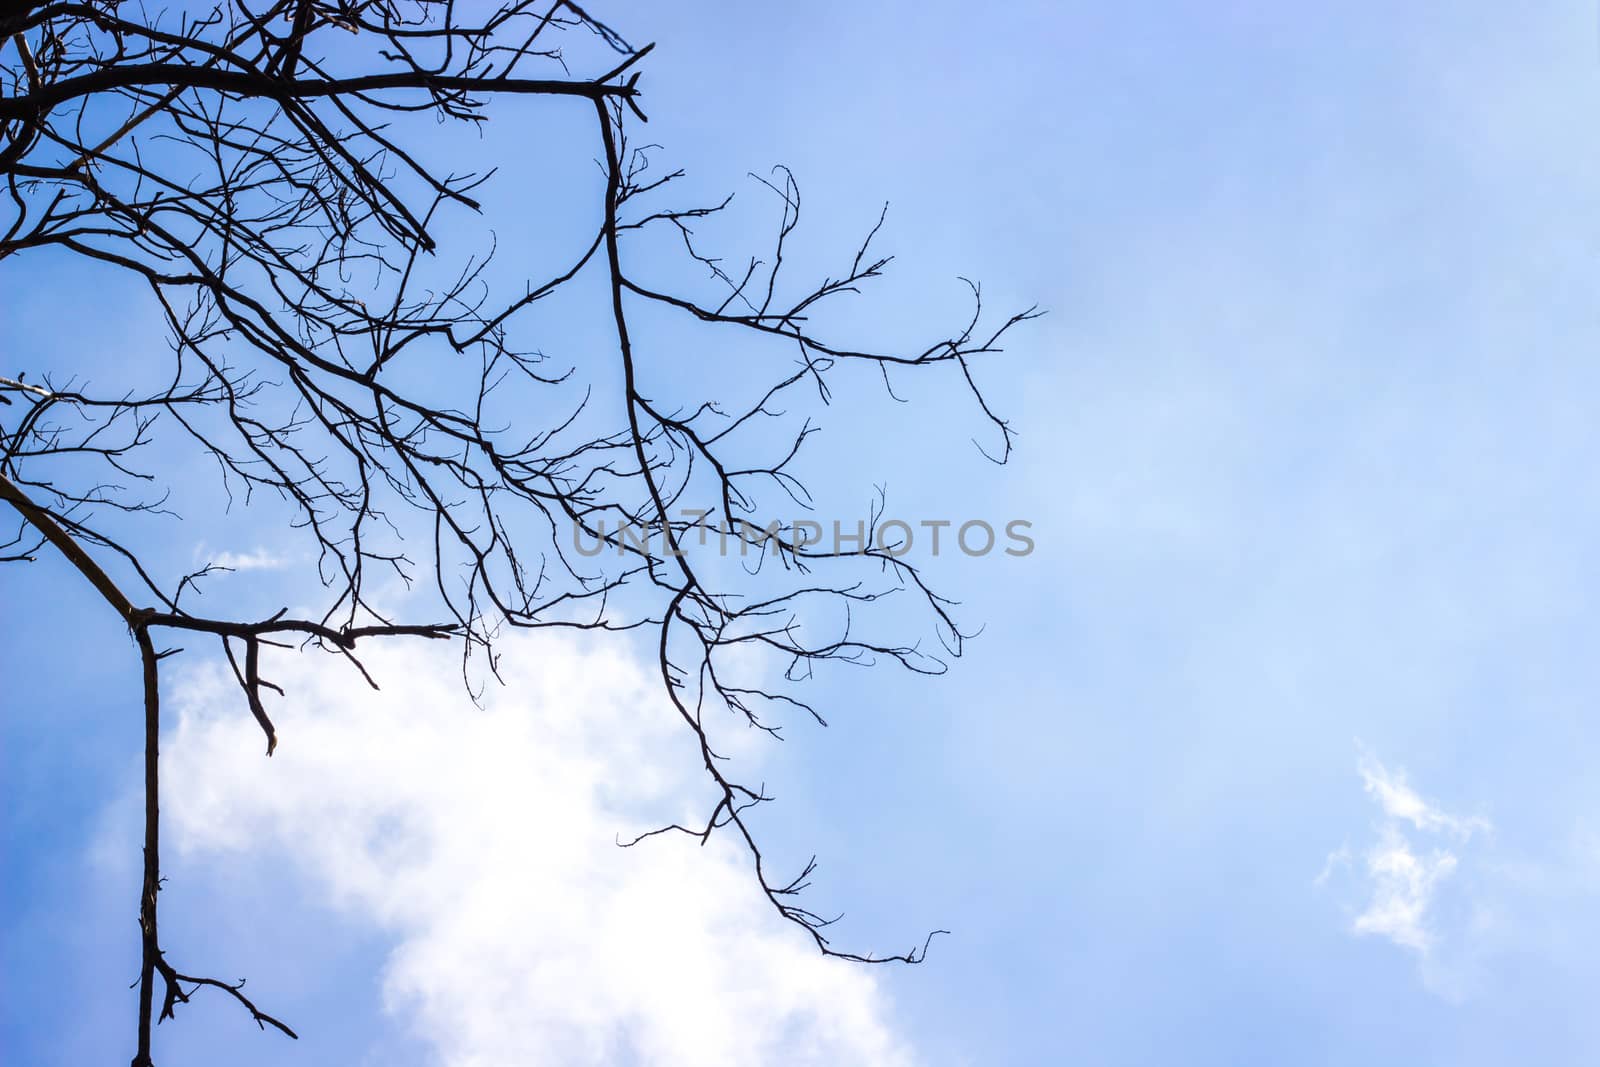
[{"x": 1279, "y": 747}]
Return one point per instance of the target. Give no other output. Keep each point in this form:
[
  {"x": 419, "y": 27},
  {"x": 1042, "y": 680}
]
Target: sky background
[{"x": 1279, "y": 749}]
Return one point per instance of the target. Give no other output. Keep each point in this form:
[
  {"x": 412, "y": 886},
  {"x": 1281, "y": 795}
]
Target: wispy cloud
[
  {"x": 1403, "y": 886},
  {"x": 1415, "y": 854},
  {"x": 1400, "y": 802},
  {"x": 1438, "y": 885},
  {"x": 257, "y": 559},
  {"x": 482, "y": 841}
]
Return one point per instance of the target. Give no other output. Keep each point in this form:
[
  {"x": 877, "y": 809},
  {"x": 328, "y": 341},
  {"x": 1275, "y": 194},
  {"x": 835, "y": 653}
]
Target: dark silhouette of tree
[{"x": 264, "y": 169}]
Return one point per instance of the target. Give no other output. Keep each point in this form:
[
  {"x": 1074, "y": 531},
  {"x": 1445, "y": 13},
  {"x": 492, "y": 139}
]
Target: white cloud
[
  {"x": 1437, "y": 885},
  {"x": 1400, "y": 801},
  {"x": 1403, "y": 887},
  {"x": 258, "y": 559},
  {"x": 481, "y": 840},
  {"x": 1404, "y": 877},
  {"x": 1338, "y": 859}
]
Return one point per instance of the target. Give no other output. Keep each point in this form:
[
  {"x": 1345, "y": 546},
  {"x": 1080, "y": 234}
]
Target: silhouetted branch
[{"x": 261, "y": 174}]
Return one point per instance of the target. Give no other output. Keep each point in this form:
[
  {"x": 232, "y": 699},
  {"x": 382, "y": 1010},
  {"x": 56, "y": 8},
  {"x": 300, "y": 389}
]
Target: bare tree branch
[{"x": 266, "y": 177}]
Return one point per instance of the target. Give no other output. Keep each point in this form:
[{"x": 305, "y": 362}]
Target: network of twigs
[{"x": 265, "y": 172}]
